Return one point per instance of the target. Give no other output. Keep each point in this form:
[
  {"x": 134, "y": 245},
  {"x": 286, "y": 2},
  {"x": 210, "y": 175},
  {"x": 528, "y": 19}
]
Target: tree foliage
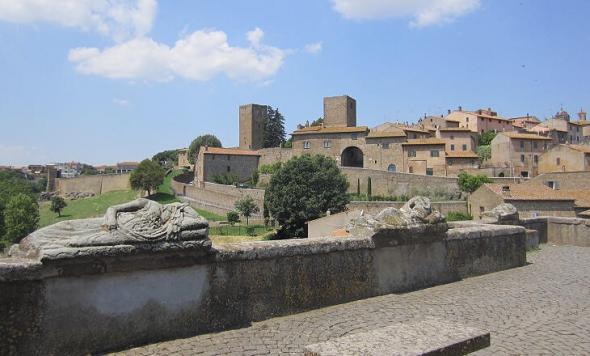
[
  {"x": 485, "y": 139},
  {"x": 57, "y": 205},
  {"x": 21, "y": 217},
  {"x": 484, "y": 152},
  {"x": 271, "y": 168},
  {"x": 305, "y": 188},
  {"x": 166, "y": 159},
  {"x": 13, "y": 183},
  {"x": 203, "y": 140},
  {"x": 233, "y": 217},
  {"x": 88, "y": 170},
  {"x": 247, "y": 207},
  {"x": 148, "y": 176},
  {"x": 227, "y": 179},
  {"x": 470, "y": 183},
  {"x": 274, "y": 128}
]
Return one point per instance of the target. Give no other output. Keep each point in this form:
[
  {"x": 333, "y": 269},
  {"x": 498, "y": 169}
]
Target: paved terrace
[{"x": 542, "y": 308}]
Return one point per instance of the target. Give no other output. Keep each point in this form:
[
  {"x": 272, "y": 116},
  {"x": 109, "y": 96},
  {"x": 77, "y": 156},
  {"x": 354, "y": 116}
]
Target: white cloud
[
  {"x": 120, "y": 19},
  {"x": 423, "y": 12},
  {"x": 313, "y": 48},
  {"x": 199, "y": 56}
]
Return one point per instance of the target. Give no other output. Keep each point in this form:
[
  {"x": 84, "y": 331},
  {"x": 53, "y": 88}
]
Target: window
[
  {"x": 391, "y": 168},
  {"x": 433, "y": 153},
  {"x": 466, "y": 119},
  {"x": 452, "y": 137},
  {"x": 414, "y": 135},
  {"x": 464, "y": 147},
  {"x": 411, "y": 170},
  {"x": 306, "y": 145},
  {"x": 385, "y": 145},
  {"x": 228, "y": 157},
  {"x": 412, "y": 153},
  {"x": 524, "y": 174},
  {"x": 452, "y": 147},
  {"x": 536, "y": 159},
  {"x": 429, "y": 171},
  {"x": 545, "y": 146},
  {"x": 228, "y": 168},
  {"x": 558, "y": 161},
  {"x": 553, "y": 185},
  {"x": 535, "y": 144},
  {"x": 327, "y": 143},
  {"x": 353, "y": 136},
  {"x": 522, "y": 158},
  {"x": 522, "y": 145}
]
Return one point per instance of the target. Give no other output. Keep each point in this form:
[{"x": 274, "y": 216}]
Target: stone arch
[
  {"x": 501, "y": 174},
  {"x": 352, "y": 157},
  {"x": 392, "y": 168}
]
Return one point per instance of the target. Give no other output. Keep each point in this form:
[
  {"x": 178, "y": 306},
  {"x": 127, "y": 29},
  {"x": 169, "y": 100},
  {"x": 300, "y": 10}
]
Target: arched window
[
  {"x": 392, "y": 168},
  {"x": 411, "y": 170}
]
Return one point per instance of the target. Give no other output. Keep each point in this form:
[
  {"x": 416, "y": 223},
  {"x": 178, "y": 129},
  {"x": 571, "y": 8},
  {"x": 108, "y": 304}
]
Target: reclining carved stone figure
[{"x": 142, "y": 223}]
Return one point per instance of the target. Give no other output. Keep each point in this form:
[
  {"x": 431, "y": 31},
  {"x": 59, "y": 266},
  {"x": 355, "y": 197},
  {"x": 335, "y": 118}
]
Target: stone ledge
[{"x": 422, "y": 337}]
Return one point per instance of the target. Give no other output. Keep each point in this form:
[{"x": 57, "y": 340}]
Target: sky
[{"x": 104, "y": 81}]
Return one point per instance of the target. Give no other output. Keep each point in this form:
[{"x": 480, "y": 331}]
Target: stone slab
[{"x": 428, "y": 336}]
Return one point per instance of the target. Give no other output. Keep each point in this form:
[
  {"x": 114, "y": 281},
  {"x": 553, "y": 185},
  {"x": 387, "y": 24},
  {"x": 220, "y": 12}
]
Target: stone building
[
  {"x": 458, "y": 139},
  {"x": 480, "y": 120},
  {"x": 424, "y": 156},
  {"x": 529, "y": 199},
  {"x": 561, "y": 130},
  {"x": 252, "y": 118},
  {"x": 214, "y": 161},
  {"x": 126, "y": 167},
  {"x": 519, "y": 153},
  {"x": 461, "y": 161},
  {"x": 437, "y": 122},
  {"x": 565, "y": 158},
  {"x": 183, "y": 161}
]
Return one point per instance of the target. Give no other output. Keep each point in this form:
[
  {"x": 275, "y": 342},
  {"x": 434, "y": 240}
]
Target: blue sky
[{"x": 103, "y": 81}]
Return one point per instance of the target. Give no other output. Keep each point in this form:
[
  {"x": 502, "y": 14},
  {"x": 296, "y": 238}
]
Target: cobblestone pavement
[{"x": 542, "y": 308}]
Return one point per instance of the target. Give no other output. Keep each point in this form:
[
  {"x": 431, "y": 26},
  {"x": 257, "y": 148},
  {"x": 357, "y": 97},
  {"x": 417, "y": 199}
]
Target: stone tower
[
  {"x": 252, "y": 117},
  {"x": 339, "y": 111},
  {"x": 582, "y": 115}
]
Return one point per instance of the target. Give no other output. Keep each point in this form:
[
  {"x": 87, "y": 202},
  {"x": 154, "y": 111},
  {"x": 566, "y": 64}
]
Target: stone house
[
  {"x": 461, "y": 161},
  {"x": 565, "y": 158},
  {"x": 480, "y": 120},
  {"x": 183, "y": 161},
  {"x": 525, "y": 122},
  {"x": 436, "y": 122},
  {"x": 213, "y": 161},
  {"x": 530, "y": 199},
  {"x": 458, "y": 139},
  {"x": 424, "y": 156},
  {"x": 126, "y": 167},
  {"x": 519, "y": 153}
]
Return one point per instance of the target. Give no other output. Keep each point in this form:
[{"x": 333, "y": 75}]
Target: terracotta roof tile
[
  {"x": 456, "y": 129},
  {"x": 527, "y": 192},
  {"x": 580, "y": 148},
  {"x": 581, "y": 196},
  {"x": 424, "y": 141},
  {"x": 525, "y": 136},
  {"x": 230, "y": 151}
]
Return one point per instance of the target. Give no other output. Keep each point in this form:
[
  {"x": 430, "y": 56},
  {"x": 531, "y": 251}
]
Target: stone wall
[
  {"x": 83, "y": 306},
  {"x": 96, "y": 184},
  {"x": 374, "y": 207},
  {"x": 216, "y": 198},
  {"x": 275, "y": 154},
  {"x": 568, "y": 231},
  {"x": 389, "y": 183}
]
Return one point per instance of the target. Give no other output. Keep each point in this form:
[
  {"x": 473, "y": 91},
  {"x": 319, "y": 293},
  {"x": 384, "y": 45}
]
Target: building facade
[
  {"x": 565, "y": 158},
  {"x": 518, "y": 152},
  {"x": 214, "y": 161}
]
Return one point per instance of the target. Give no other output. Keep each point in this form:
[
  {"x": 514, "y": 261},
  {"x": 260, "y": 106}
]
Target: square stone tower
[
  {"x": 339, "y": 111},
  {"x": 252, "y": 117}
]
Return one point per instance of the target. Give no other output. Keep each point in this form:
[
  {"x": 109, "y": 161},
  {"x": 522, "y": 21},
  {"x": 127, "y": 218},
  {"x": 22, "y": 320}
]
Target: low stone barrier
[
  {"x": 568, "y": 231},
  {"x": 85, "y": 303}
]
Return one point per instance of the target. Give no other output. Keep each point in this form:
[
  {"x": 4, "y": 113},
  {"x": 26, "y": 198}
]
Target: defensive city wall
[
  {"x": 97, "y": 184},
  {"x": 79, "y": 305}
]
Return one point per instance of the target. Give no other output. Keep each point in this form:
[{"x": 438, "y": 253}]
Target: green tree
[
  {"x": 470, "y": 183},
  {"x": 147, "y": 177},
  {"x": 274, "y": 128},
  {"x": 21, "y": 217},
  {"x": 247, "y": 207},
  {"x": 167, "y": 159},
  {"x": 369, "y": 188},
  {"x": 304, "y": 189},
  {"x": 288, "y": 143},
  {"x": 484, "y": 152},
  {"x": 203, "y": 140},
  {"x": 486, "y": 138},
  {"x": 88, "y": 170},
  {"x": 57, "y": 205},
  {"x": 317, "y": 122},
  {"x": 233, "y": 217}
]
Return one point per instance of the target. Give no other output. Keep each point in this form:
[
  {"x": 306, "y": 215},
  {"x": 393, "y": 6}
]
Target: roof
[
  {"x": 581, "y": 196},
  {"x": 526, "y": 118},
  {"x": 461, "y": 154},
  {"x": 453, "y": 120},
  {"x": 389, "y": 133},
  {"x": 525, "y": 136},
  {"x": 580, "y": 148},
  {"x": 527, "y": 192},
  {"x": 128, "y": 164},
  {"x": 424, "y": 141},
  {"x": 456, "y": 129},
  {"x": 585, "y": 213},
  {"x": 230, "y": 151},
  {"x": 321, "y": 130}
]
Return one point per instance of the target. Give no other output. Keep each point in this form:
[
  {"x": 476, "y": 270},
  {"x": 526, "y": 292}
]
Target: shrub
[
  {"x": 251, "y": 231},
  {"x": 227, "y": 179},
  {"x": 21, "y": 217},
  {"x": 270, "y": 168},
  {"x": 458, "y": 216},
  {"x": 304, "y": 189},
  {"x": 470, "y": 183},
  {"x": 247, "y": 206},
  {"x": 57, "y": 205},
  {"x": 233, "y": 217},
  {"x": 148, "y": 176}
]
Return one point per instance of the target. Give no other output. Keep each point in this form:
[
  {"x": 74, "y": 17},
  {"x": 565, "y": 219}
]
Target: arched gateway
[{"x": 352, "y": 157}]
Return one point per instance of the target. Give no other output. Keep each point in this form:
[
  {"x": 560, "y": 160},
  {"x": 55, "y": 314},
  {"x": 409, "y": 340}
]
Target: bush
[
  {"x": 270, "y": 168},
  {"x": 251, "y": 231},
  {"x": 21, "y": 217},
  {"x": 233, "y": 217},
  {"x": 458, "y": 216},
  {"x": 470, "y": 183},
  {"x": 148, "y": 176},
  {"x": 484, "y": 152},
  {"x": 485, "y": 139},
  {"x": 247, "y": 207},
  {"x": 304, "y": 189},
  {"x": 57, "y": 205},
  {"x": 227, "y": 179}
]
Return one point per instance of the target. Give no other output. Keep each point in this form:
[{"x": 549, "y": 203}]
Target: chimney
[
  {"x": 460, "y": 108},
  {"x": 449, "y": 111},
  {"x": 582, "y": 115},
  {"x": 206, "y": 147}
]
